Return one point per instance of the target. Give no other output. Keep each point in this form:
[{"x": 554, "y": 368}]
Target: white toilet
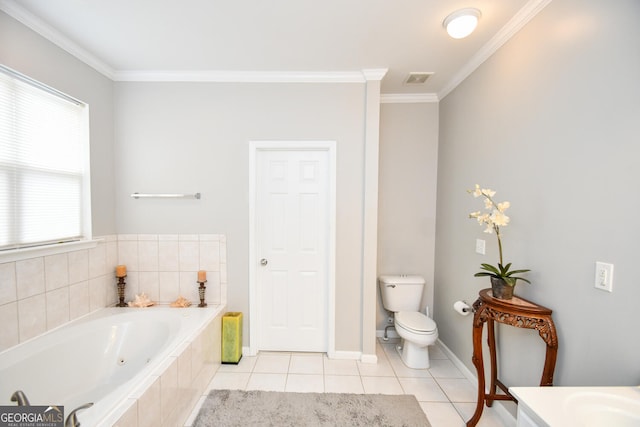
[{"x": 402, "y": 295}]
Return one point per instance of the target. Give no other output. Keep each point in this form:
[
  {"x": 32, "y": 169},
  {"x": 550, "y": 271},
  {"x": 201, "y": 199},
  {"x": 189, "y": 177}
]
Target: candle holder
[
  {"x": 121, "y": 284},
  {"x": 201, "y": 290}
]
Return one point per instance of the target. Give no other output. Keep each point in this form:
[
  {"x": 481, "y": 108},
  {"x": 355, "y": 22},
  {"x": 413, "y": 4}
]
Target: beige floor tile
[
  {"x": 343, "y": 384},
  {"x": 305, "y": 383},
  {"x": 424, "y": 389},
  {"x": 268, "y": 382},
  {"x": 444, "y": 368},
  {"x": 381, "y": 385},
  {"x": 442, "y": 414},
  {"x": 458, "y": 389},
  {"x": 490, "y": 416},
  {"x": 307, "y": 364},
  {"x": 340, "y": 367},
  {"x": 272, "y": 363},
  {"x": 229, "y": 381}
]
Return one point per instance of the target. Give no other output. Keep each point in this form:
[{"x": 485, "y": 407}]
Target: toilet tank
[{"x": 401, "y": 293}]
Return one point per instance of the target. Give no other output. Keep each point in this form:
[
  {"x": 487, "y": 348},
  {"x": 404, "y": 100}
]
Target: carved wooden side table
[{"x": 516, "y": 312}]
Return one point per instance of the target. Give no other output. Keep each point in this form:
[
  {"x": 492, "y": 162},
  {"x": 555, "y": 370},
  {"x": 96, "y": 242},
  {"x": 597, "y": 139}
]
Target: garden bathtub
[{"x": 110, "y": 358}]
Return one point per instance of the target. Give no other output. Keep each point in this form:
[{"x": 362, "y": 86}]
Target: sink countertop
[{"x": 576, "y": 406}]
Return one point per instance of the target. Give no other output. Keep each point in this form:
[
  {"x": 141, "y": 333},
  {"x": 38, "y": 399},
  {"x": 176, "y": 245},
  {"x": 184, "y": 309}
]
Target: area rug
[{"x": 226, "y": 408}]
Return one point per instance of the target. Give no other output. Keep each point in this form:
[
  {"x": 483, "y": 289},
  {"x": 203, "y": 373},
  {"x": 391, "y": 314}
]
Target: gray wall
[
  {"x": 29, "y": 53},
  {"x": 407, "y": 194},
  {"x": 194, "y": 137},
  {"x": 550, "y": 122}
]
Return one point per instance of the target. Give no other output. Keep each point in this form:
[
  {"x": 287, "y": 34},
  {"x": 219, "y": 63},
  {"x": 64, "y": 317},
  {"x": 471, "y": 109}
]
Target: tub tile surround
[
  {"x": 170, "y": 394},
  {"x": 164, "y": 266},
  {"x": 41, "y": 293}
]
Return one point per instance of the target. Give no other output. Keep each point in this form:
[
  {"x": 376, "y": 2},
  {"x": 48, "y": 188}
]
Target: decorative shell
[
  {"x": 181, "y": 302},
  {"x": 141, "y": 300}
]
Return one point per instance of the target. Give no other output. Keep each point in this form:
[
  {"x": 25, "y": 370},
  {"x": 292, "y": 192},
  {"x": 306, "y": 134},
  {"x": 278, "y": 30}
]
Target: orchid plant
[{"x": 494, "y": 218}]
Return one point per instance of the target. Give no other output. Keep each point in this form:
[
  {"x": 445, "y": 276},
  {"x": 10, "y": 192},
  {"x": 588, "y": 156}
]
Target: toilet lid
[{"x": 415, "y": 321}]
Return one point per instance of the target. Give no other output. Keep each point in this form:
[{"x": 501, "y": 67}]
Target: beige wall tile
[
  {"x": 56, "y": 271},
  {"x": 30, "y": 277},
  {"x": 57, "y": 307},
  {"x": 31, "y": 316},
  {"x": 98, "y": 261},
  {"x": 169, "y": 286},
  {"x": 130, "y": 417},
  {"x": 78, "y": 300},
  {"x": 168, "y": 255},
  {"x": 8, "y": 290},
  {"x": 148, "y": 255},
  {"x": 78, "y": 266},
  {"x": 189, "y": 255},
  {"x": 169, "y": 390},
  {"x": 10, "y": 335},
  {"x": 149, "y": 406},
  {"x": 128, "y": 254}
]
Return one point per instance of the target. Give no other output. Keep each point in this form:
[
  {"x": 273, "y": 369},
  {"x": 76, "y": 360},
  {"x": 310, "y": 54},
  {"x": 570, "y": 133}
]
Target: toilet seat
[{"x": 415, "y": 322}]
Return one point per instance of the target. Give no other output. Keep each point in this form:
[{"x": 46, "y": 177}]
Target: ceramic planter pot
[{"x": 500, "y": 289}]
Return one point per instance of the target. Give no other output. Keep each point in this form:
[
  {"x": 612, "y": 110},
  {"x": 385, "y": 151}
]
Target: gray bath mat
[{"x": 226, "y": 408}]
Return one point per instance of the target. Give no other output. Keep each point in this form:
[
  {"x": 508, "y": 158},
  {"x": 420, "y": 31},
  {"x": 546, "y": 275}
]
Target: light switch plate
[{"x": 480, "y": 246}]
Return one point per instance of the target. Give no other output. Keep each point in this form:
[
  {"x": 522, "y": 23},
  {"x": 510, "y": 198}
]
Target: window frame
[{"x": 85, "y": 240}]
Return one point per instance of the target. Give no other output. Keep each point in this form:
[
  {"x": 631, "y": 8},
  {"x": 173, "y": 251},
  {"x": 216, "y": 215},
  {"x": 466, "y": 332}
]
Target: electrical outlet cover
[{"x": 604, "y": 276}]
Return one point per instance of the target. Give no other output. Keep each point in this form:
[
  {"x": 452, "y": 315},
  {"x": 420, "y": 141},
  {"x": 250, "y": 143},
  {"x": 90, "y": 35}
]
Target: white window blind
[{"x": 44, "y": 145}]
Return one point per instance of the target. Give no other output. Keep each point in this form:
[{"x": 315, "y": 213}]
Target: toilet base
[{"x": 412, "y": 356}]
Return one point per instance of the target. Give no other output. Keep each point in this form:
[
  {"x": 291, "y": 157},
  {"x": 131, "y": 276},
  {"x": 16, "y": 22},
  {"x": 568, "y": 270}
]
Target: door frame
[{"x": 294, "y": 145}]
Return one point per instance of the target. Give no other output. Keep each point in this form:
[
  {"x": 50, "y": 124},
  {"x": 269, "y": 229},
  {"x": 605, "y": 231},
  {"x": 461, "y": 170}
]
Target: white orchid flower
[
  {"x": 503, "y": 206},
  {"x": 494, "y": 219}
]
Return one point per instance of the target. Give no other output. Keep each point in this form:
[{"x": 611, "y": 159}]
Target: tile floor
[{"x": 446, "y": 396}]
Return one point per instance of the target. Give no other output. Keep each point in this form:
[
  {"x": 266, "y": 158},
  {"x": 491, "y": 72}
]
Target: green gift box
[{"x": 232, "y": 337}]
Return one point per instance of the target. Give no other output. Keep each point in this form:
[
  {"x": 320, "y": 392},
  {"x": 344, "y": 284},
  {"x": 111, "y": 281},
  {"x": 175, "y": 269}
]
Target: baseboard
[
  {"x": 369, "y": 358},
  {"x": 345, "y": 355},
  {"x": 471, "y": 376}
]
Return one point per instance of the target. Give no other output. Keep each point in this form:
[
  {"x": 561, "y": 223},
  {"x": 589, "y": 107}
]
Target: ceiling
[{"x": 208, "y": 39}]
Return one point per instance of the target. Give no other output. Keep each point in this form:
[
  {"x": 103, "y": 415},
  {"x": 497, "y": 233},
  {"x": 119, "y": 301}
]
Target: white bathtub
[{"x": 107, "y": 358}]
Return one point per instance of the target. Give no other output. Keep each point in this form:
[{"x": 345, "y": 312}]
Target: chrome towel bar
[{"x": 165, "y": 196}]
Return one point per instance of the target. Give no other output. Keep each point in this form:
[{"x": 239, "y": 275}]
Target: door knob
[{"x": 264, "y": 261}]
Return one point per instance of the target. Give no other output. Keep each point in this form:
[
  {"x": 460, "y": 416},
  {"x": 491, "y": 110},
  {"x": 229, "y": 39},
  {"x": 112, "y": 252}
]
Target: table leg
[
  {"x": 491, "y": 340},
  {"x": 477, "y": 362},
  {"x": 549, "y": 366}
]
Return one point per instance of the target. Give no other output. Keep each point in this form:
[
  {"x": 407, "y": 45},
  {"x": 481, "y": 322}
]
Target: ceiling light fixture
[{"x": 462, "y": 22}]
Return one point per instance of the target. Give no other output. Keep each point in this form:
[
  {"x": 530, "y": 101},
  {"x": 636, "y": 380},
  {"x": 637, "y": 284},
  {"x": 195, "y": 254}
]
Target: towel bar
[{"x": 165, "y": 196}]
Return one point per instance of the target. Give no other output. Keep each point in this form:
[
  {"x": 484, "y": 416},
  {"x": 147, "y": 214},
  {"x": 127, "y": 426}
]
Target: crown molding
[
  {"x": 374, "y": 73},
  {"x": 524, "y": 15},
  {"x": 17, "y": 12},
  {"x": 408, "y": 98},
  {"x": 241, "y": 76}
]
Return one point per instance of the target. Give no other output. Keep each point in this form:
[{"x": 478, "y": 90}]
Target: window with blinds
[{"x": 44, "y": 164}]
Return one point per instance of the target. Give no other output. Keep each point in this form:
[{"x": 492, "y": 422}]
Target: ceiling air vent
[{"x": 417, "y": 78}]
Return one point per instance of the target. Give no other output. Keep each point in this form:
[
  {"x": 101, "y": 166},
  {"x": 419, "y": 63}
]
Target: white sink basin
[
  {"x": 578, "y": 406},
  {"x": 593, "y": 408}
]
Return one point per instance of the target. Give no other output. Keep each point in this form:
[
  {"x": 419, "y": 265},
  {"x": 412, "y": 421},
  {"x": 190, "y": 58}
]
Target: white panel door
[{"x": 292, "y": 212}]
